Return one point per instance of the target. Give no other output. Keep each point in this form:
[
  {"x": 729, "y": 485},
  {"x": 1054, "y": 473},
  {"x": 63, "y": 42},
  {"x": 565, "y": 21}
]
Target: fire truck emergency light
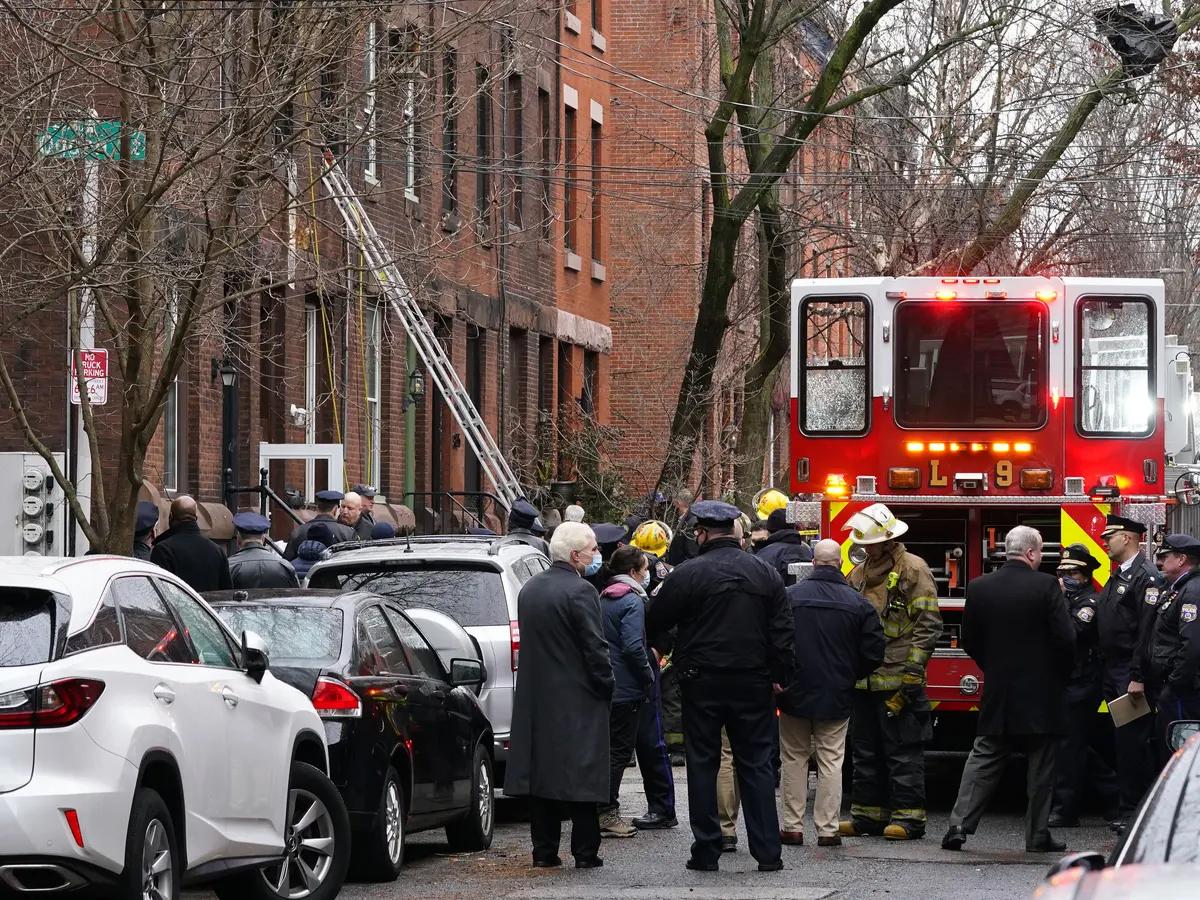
[
  {"x": 946, "y": 295},
  {"x": 1023, "y": 447},
  {"x": 835, "y": 486},
  {"x": 1046, "y": 295},
  {"x": 904, "y": 478},
  {"x": 1105, "y": 488},
  {"x": 1036, "y": 479}
]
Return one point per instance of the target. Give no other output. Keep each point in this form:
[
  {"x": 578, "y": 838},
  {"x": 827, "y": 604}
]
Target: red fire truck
[{"x": 971, "y": 405}]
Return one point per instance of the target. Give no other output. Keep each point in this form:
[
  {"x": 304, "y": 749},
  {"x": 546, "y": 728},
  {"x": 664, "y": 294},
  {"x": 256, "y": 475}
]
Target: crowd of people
[{"x": 777, "y": 665}]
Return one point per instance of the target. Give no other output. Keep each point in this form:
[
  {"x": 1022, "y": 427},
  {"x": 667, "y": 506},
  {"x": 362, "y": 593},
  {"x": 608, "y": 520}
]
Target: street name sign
[{"x": 91, "y": 138}]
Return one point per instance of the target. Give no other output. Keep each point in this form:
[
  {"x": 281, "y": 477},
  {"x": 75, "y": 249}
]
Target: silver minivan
[{"x": 474, "y": 580}]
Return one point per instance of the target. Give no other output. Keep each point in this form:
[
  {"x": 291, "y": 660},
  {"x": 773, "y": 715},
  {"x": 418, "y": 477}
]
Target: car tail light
[
  {"x": 514, "y": 641},
  {"x": 334, "y": 700},
  {"x": 1036, "y": 479},
  {"x": 53, "y": 705},
  {"x": 72, "y": 818}
]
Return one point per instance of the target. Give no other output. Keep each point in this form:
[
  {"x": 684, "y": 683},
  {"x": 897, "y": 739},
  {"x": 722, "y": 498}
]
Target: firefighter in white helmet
[{"x": 891, "y": 718}]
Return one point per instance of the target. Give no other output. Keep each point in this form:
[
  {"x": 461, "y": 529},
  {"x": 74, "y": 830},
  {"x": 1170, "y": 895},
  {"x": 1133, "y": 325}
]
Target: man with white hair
[
  {"x": 1015, "y": 625},
  {"x": 573, "y": 513},
  {"x": 558, "y": 756}
]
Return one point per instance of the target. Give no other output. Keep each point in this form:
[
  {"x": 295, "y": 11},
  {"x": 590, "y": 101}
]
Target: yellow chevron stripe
[{"x": 1074, "y": 533}]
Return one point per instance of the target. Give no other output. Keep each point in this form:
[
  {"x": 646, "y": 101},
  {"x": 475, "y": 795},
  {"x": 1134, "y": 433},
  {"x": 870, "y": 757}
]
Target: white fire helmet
[{"x": 874, "y": 525}]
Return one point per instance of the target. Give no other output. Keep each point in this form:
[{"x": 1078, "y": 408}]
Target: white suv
[{"x": 142, "y": 749}]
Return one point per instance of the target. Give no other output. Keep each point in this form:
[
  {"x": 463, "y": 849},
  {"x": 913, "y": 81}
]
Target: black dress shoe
[
  {"x": 1047, "y": 846},
  {"x": 955, "y": 838},
  {"x": 1058, "y": 820},
  {"x": 771, "y": 866},
  {"x": 652, "y": 820},
  {"x": 591, "y": 862},
  {"x": 696, "y": 866},
  {"x": 728, "y": 844},
  {"x": 552, "y": 863}
]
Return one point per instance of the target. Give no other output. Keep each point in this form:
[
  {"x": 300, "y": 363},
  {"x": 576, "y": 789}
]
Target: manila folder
[{"x": 1127, "y": 708}]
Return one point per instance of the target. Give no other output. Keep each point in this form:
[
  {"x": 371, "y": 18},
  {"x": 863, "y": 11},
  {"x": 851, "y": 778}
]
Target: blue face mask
[{"x": 594, "y": 565}]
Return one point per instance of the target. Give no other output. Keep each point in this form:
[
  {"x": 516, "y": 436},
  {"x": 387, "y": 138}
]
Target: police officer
[
  {"x": 1078, "y": 756},
  {"x": 525, "y": 527},
  {"x": 256, "y": 565},
  {"x": 1172, "y": 656},
  {"x": 327, "y": 509},
  {"x": 1124, "y": 614},
  {"x": 143, "y": 529},
  {"x": 891, "y": 718},
  {"x": 734, "y": 642},
  {"x": 683, "y": 542}
]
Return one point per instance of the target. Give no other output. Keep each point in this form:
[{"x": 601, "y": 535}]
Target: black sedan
[
  {"x": 409, "y": 746},
  {"x": 1158, "y": 856}
]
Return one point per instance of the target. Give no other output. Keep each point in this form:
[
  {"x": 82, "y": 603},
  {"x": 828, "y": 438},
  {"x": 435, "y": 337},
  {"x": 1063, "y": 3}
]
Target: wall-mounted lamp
[{"x": 416, "y": 389}]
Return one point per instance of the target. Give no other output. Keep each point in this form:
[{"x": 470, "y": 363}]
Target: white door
[{"x": 255, "y": 766}]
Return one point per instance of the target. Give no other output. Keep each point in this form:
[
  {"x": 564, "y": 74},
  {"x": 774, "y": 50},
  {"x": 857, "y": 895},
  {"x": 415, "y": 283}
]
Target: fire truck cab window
[
  {"x": 833, "y": 374},
  {"x": 970, "y": 365},
  {"x": 1114, "y": 394}
]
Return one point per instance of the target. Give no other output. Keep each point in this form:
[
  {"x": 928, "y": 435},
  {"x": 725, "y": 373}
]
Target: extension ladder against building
[{"x": 429, "y": 348}]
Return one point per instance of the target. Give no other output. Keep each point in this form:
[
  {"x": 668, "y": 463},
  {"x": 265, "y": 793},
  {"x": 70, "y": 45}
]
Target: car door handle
[
  {"x": 230, "y": 698},
  {"x": 164, "y": 694},
  {"x": 400, "y": 689}
]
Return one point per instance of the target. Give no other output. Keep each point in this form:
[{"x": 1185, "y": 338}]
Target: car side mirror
[
  {"x": 1179, "y": 732},
  {"x": 1089, "y": 861},
  {"x": 255, "y": 659},
  {"x": 465, "y": 672}
]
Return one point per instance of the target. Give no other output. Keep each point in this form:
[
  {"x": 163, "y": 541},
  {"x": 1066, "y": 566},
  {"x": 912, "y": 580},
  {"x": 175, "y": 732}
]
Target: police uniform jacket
[
  {"x": 261, "y": 567},
  {"x": 784, "y": 548},
  {"x": 1171, "y": 655},
  {"x": 1081, "y": 605},
  {"x": 341, "y": 533},
  {"x": 901, "y": 589},
  {"x": 683, "y": 544},
  {"x": 525, "y": 536},
  {"x": 839, "y": 640},
  {"x": 1015, "y": 625},
  {"x": 1125, "y": 610},
  {"x": 731, "y": 611}
]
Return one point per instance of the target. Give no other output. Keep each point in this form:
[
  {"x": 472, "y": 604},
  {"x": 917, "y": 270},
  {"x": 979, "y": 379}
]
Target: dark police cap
[
  {"x": 480, "y": 531},
  {"x": 715, "y": 514},
  {"x": 523, "y": 514},
  {"x": 1076, "y": 556},
  {"x": 147, "y": 516},
  {"x": 382, "y": 531},
  {"x": 251, "y": 523},
  {"x": 608, "y": 533},
  {"x": 330, "y": 496},
  {"x": 364, "y": 490},
  {"x": 1113, "y": 524},
  {"x": 1180, "y": 543}
]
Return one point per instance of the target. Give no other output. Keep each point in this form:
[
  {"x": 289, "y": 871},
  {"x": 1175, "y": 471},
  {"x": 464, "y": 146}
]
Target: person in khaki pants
[
  {"x": 728, "y": 797},
  {"x": 839, "y": 639}
]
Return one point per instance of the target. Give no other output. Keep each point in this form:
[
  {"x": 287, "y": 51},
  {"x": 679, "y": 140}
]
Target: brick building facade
[{"x": 478, "y": 161}]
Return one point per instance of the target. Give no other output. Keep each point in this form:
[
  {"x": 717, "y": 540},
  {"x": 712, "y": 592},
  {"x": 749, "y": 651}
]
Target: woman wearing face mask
[{"x": 624, "y": 609}]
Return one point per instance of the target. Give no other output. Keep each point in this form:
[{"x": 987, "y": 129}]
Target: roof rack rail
[{"x": 414, "y": 539}]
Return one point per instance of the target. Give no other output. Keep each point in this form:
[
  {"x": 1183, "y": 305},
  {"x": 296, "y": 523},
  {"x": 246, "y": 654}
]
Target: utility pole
[{"x": 81, "y": 466}]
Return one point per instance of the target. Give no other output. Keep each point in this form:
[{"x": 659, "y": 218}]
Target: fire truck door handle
[{"x": 802, "y": 472}]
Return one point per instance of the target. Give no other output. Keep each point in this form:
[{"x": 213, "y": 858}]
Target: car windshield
[
  {"x": 26, "y": 626},
  {"x": 295, "y": 635},
  {"x": 979, "y": 365},
  {"x": 471, "y": 595}
]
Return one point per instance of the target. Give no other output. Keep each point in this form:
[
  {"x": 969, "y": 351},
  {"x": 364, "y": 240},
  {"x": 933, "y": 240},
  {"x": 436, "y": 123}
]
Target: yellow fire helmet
[
  {"x": 874, "y": 525},
  {"x": 768, "y": 500},
  {"x": 652, "y": 536}
]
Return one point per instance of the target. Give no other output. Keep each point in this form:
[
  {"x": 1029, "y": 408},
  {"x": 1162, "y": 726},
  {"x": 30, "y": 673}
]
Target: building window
[
  {"x": 570, "y": 175},
  {"x": 589, "y": 397},
  {"x": 514, "y": 108},
  {"x": 372, "y": 383},
  {"x": 546, "y": 131},
  {"x": 449, "y": 132},
  {"x": 596, "y": 15},
  {"x": 311, "y": 324},
  {"x": 170, "y": 429},
  {"x": 483, "y": 146},
  {"x": 518, "y": 353},
  {"x": 370, "y": 74},
  {"x": 597, "y": 162}
]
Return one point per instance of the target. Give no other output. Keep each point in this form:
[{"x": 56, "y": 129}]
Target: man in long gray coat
[{"x": 558, "y": 757}]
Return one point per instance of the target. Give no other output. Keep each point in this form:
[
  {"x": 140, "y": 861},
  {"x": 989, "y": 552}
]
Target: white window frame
[
  {"x": 371, "y": 66},
  {"x": 170, "y": 416},
  {"x": 310, "y": 394},
  {"x": 410, "y": 136},
  {"x": 373, "y": 335}
]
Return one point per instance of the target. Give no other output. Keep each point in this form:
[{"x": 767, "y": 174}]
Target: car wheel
[
  {"x": 151, "y": 851},
  {"x": 379, "y": 853},
  {"x": 316, "y": 846},
  {"x": 474, "y": 830}
]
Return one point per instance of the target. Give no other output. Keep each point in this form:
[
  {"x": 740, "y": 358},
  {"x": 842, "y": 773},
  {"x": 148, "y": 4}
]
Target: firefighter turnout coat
[{"x": 901, "y": 588}]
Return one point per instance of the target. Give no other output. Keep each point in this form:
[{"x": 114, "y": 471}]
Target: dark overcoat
[
  {"x": 1016, "y": 626},
  {"x": 559, "y": 738},
  {"x": 185, "y": 552}
]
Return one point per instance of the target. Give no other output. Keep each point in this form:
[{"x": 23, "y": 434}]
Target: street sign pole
[{"x": 87, "y": 335}]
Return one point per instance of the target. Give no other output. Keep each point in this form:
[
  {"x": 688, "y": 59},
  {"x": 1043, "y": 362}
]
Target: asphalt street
[{"x": 650, "y": 866}]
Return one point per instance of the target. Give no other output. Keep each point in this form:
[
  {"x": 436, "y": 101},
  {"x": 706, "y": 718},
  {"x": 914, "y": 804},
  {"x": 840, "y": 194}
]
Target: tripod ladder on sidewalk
[{"x": 429, "y": 348}]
